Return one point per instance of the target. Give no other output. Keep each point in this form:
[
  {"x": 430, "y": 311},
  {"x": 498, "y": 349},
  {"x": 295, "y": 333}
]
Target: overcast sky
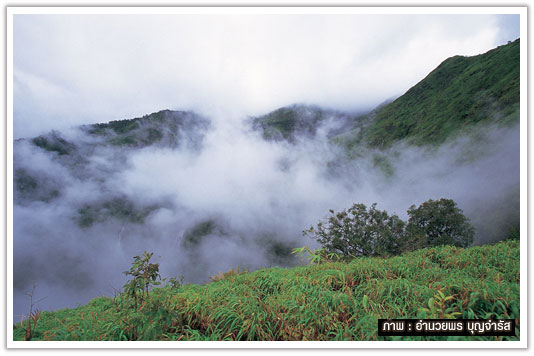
[{"x": 78, "y": 69}]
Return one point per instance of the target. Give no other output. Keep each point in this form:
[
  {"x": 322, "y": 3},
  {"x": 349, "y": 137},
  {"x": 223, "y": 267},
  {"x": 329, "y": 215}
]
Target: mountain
[
  {"x": 458, "y": 94},
  {"x": 288, "y": 123},
  {"x": 163, "y": 129}
]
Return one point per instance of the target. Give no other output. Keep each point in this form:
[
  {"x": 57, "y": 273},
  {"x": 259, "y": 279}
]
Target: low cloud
[{"x": 239, "y": 201}]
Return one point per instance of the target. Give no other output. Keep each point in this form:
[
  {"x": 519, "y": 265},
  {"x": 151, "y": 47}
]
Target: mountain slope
[
  {"x": 460, "y": 92},
  {"x": 288, "y": 123},
  {"x": 76, "y": 154},
  {"x": 166, "y": 127}
]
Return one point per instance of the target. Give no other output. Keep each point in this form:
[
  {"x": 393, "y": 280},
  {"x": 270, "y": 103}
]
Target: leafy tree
[
  {"x": 144, "y": 274},
  {"x": 359, "y": 231},
  {"x": 437, "y": 222}
]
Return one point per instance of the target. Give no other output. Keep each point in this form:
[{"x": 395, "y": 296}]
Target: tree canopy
[{"x": 363, "y": 231}]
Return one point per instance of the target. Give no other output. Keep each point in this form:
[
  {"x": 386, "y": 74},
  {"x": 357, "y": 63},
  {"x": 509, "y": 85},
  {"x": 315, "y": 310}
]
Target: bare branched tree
[{"x": 33, "y": 315}]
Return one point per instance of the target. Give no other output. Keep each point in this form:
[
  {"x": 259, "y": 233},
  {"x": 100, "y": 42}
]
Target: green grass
[{"x": 329, "y": 301}]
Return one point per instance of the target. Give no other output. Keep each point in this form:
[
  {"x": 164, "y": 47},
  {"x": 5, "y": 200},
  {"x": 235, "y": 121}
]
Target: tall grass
[{"x": 328, "y": 301}]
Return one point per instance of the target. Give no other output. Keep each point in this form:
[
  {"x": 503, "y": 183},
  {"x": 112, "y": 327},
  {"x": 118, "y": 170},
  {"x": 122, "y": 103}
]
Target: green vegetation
[
  {"x": 325, "y": 301},
  {"x": 24, "y": 182},
  {"x": 284, "y": 123},
  {"x": 383, "y": 163},
  {"x": 145, "y": 275},
  {"x": 438, "y": 222},
  {"x": 150, "y": 129},
  {"x": 124, "y": 141},
  {"x": 119, "y": 208},
  {"x": 225, "y": 275},
  {"x": 119, "y": 126},
  {"x": 54, "y": 143},
  {"x": 28, "y": 187},
  {"x": 459, "y": 93},
  {"x": 194, "y": 236},
  {"x": 129, "y": 132},
  {"x": 359, "y": 231},
  {"x": 279, "y": 122},
  {"x": 153, "y": 136}
]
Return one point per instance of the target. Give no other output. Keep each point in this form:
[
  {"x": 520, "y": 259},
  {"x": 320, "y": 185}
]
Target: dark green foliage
[
  {"x": 119, "y": 126},
  {"x": 176, "y": 282},
  {"x": 359, "y": 232},
  {"x": 165, "y": 127},
  {"x": 136, "y": 296},
  {"x": 24, "y": 182},
  {"x": 144, "y": 275},
  {"x": 88, "y": 215},
  {"x": 194, "y": 235},
  {"x": 29, "y": 187},
  {"x": 316, "y": 256},
  {"x": 119, "y": 208},
  {"x": 153, "y": 136},
  {"x": 123, "y": 141},
  {"x": 383, "y": 164},
  {"x": 514, "y": 233},
  {"x": 54, "y": 143},
  {"x": 437, "y": 222},
  {"x": 146, "y": 138},
  {"x": 328, "y": 301},
  {"x": 278, "y": 249},
  {"x": 281, "y": 121},
  {"x": 459, "y": 93},
  {"x": 289, "y": 122}
]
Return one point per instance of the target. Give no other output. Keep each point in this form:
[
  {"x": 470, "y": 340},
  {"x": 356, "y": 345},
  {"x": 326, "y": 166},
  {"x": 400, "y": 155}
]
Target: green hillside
[
  {"x": 287, "y": 123},
  {"x": 460, "y": 92},
  {"x": 165, "y": 126},
  {"x": 327, "y": 301}
]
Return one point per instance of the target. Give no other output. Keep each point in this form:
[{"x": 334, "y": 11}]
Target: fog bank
[{"x": 238, "y": 200}]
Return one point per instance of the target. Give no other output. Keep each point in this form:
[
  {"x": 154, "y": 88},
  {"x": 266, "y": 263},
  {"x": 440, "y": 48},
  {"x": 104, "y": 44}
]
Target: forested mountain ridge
[{"x": 459, "y": 93}]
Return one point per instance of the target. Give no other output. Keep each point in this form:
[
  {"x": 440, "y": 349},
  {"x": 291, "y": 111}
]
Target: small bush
[{"x": 144, "y": 275}]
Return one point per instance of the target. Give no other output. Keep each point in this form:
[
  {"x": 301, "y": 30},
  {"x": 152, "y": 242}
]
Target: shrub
[
  {"x": 359, "y": 231},
  {"x": 437, "y": 222},
  {"x": 144, "y": 275}
]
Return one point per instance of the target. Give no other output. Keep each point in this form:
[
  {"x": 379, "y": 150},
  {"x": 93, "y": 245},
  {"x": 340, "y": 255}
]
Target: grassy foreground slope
[{"x": 329, "y": 301}]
